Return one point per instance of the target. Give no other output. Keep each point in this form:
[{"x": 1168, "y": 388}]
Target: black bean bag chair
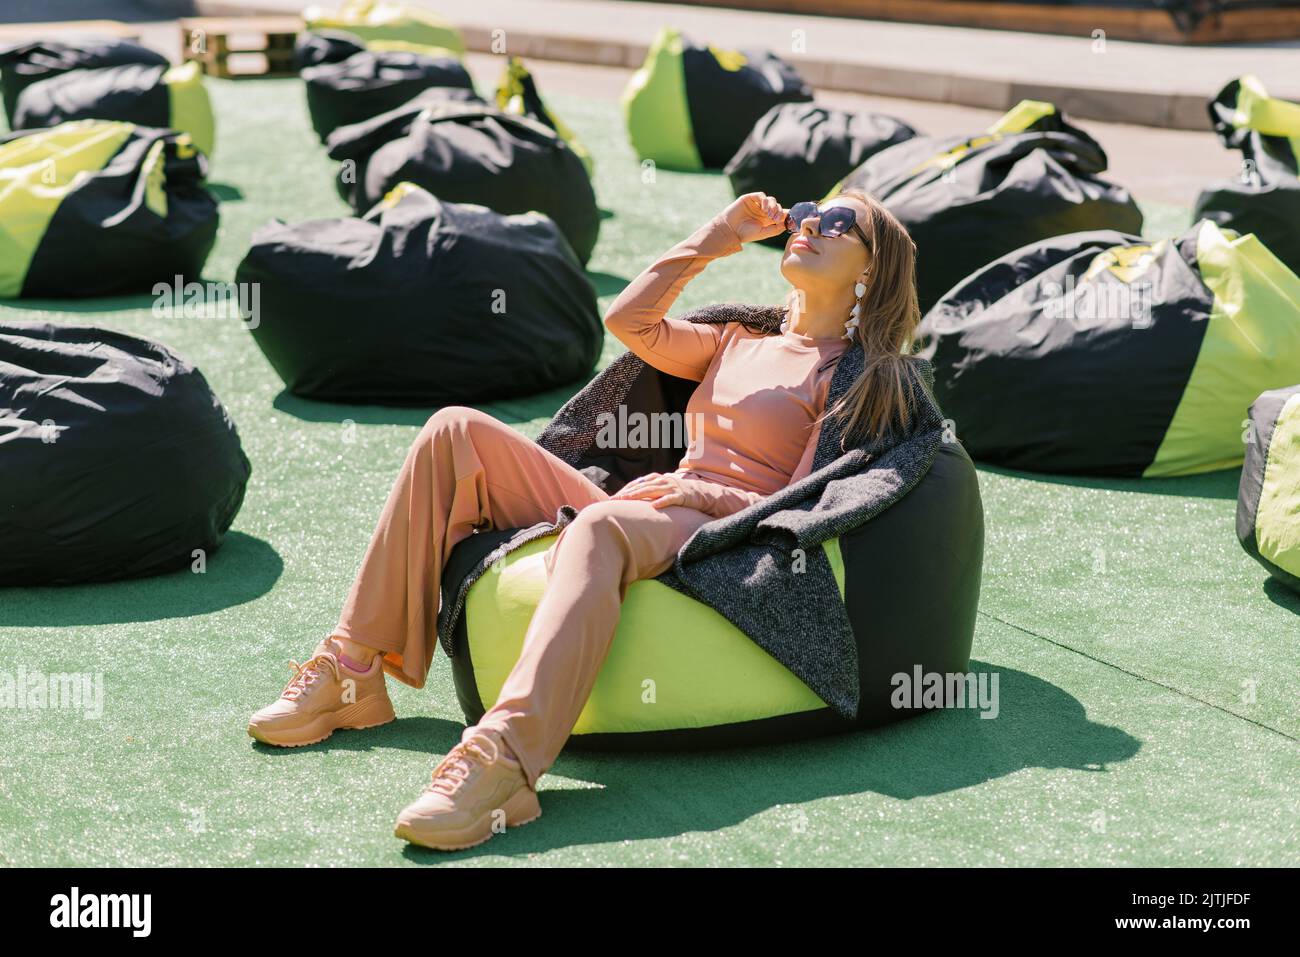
[
  {"x": 799, "y": 151},
  {"x": 517, "y": 93},
  {"x": 691, "y": 105},
  {"x": 116, "y": 459},
  {"x": 468, "y": 153},
  {"x": 1102, "y": 353},
  {"x": 1268, "y": 499},
  {"x": 347, "y": 83},
  {"x": 26, "y": 63},
  {"x": 1264, "y": 196},
  {"x": 967, "y": 201},
  {"x": 314, "y": 47},
  {"x": 159, "y": 96},
  {"x": 716, "y": 687},
  {"x": 99, "y": 208},
  {"x": 422, "y": 302}
]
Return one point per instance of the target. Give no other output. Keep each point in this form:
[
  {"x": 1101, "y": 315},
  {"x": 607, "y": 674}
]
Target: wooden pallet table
[{"x": 223, "y": 45}]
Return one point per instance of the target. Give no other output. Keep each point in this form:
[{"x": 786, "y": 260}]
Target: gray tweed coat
[{"x": 744, "y": 565}]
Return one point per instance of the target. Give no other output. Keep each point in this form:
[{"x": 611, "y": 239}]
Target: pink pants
[{"x": 467, "y": 470}]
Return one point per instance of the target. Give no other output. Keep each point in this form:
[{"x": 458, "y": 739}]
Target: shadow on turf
[
  {"x": 242, "y": 569},
  {"x": 94, "y": 304},
  {"x": 653, "y": 795},
  {"x": 607, "y": 284},
  {"x": 530, "y": 408},
  {"x": 1281, "y": 595},
  {"x": 1220, "y": 484},
  {"x": 226, "y": 192}
]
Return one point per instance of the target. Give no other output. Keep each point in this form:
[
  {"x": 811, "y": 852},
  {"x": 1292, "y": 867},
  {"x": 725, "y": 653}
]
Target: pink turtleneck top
[{"x": 751, "y": 418}]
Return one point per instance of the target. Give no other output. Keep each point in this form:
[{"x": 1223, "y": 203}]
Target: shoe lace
[
  {"x": 455, "y": 769},
  {"x": 305, "y": 674}
]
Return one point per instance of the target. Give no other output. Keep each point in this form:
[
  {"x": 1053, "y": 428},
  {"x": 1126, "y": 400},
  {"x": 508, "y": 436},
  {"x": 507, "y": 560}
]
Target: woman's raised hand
[{"x": 755, "y": 216}]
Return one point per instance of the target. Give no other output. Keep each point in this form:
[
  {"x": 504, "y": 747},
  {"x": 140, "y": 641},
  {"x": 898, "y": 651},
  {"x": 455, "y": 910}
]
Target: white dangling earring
[{"x": 850, "y": 327}]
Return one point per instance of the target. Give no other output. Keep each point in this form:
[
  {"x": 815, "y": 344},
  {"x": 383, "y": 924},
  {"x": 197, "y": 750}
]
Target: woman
[{"x": 754, "y": 421}]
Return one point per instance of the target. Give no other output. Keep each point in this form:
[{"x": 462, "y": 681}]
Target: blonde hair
[{"x": 879, "y": 401}]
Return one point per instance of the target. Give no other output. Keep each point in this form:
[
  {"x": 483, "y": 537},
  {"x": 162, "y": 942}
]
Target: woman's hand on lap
[{"x": 661, "y": 491}]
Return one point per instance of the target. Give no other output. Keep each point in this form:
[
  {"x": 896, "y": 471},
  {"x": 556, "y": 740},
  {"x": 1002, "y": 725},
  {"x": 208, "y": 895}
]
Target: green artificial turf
[{"x": 1147, "y": 667}]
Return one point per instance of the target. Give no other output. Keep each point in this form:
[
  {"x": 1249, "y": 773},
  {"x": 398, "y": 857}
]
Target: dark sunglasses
[{"x": 835, "y": 221}]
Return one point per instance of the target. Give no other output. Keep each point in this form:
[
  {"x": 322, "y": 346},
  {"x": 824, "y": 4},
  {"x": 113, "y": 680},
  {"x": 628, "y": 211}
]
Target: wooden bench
[{"x": 223, "y": 45}]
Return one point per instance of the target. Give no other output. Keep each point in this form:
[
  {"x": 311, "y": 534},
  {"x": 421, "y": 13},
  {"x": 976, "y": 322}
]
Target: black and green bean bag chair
[
  {"x": 517, "y": 93},
  {"x": 372, "y": 21},
  {"x": 422, "y": 302},
  {"x": 1264, "y": 196},
  {"x": 800, "y": 151},
  {"x": 1268, "y": 500},
  {"x": 146, "y": 95},
  {"x": 23, "y": 64},
  {"x": 712, "y": 685},
  {"x": 95, "y": 208},
  {"x": 968, "y": 201},
  {"x": 348, "y": 83},
  {"x": 469, "y": 153},
  {"x": 1100, "y": 353},
  {"x": 116, "y": 459},
  {"x": 691, "y": 105}
]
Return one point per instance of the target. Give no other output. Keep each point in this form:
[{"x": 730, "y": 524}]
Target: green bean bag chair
[
  {"x": 23, "y": 64},
  {"x": 691, "y": 105},
  {"x": 371, "y": 20},
  {"x": 96, "y": 208},
  {"x": 116, "y": 458},
  {"x": 1104, "y": 354},
  {"x": 679, "y": 674},
  {"x": 968, "y": 200},
  {"x": 1264, "y": 196},
  {"x": 146, "y": 95},
  {"x": 1268, "y": 500}
]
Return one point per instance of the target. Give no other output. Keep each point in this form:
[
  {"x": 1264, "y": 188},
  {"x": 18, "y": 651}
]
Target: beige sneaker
[
  {"x": 477, "y": 790},
  {"x": 322, "y": 696}
]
